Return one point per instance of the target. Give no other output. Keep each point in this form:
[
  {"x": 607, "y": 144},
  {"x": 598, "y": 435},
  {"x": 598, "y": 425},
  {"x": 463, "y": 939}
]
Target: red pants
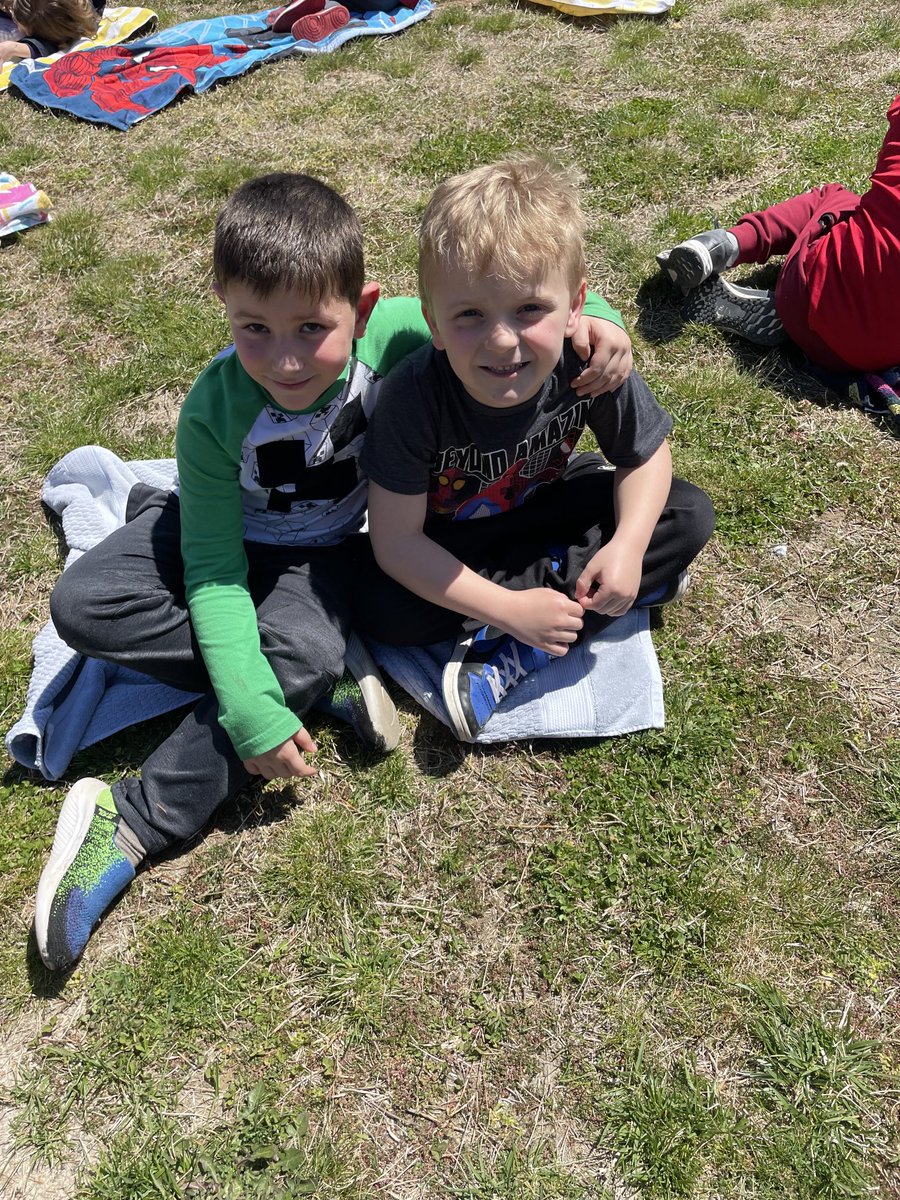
[{"x": 838, "y": 294}]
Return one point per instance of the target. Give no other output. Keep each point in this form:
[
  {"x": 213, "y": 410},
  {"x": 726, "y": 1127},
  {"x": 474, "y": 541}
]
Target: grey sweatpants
[{"x": 123, "y": 601}]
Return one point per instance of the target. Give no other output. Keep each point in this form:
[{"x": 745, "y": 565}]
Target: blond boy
[{"x": 483, "y": 423}]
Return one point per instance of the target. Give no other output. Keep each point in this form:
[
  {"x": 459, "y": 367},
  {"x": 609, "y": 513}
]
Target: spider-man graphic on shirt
[{"x": 463, "y": 495}]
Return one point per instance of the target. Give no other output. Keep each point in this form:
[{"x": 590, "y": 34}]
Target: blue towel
[{"x": 605, "y": 686}]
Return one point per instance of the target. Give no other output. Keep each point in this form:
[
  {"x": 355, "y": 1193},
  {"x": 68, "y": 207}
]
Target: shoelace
[{"x": 507, "y": 674}]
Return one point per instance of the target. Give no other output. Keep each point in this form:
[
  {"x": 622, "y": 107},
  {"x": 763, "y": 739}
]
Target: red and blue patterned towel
[{"x": 120, "y": 85}]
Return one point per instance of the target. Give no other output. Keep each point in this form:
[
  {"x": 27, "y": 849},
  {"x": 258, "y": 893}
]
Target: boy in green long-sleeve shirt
[{"x": 240, "y": 586}]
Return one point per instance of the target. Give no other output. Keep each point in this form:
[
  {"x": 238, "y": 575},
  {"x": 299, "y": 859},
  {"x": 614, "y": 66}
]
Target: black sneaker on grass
[
  {"x": 748, "y": 312},
  {"x": 359, "y": 699},
  {"x": 485, "y": 666}
]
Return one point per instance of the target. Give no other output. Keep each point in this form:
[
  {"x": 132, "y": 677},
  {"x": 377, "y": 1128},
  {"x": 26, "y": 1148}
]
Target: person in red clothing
[{"x": 837, "y": 294}]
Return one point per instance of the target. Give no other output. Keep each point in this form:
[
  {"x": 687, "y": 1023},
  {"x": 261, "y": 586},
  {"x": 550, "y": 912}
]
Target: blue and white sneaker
[
  {"x": 360, "y": 700},
  {"x": 486, "y": 664},
  {"x": 669, "y": 593},
  {"x": 87, "y": 870}
]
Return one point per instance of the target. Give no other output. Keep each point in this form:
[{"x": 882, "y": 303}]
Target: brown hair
[
  {"x": 517, "y": 218},
  {"x": 290, "y": 231},
  {"x": 58, "y": 21}
]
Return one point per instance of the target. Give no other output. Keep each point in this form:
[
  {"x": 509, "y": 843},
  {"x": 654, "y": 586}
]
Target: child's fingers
[
  {"x": 284, "y": 761},
  {"x": 615, "y": 372},
  {"x": 581, "y": 343},
  {"x": 303, "y": 739}
]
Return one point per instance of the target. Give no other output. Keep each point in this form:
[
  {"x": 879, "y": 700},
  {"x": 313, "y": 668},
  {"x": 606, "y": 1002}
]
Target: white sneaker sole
[
  {"x": 450, "y": 692},
  {"x": 74, "y": 820},
  {"x": 687, "y": 265},
  {"x": 380, "y": 707}
]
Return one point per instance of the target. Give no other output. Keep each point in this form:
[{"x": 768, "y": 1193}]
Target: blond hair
[
  {"x": 517, "y": 218},
  {"x": 57, "y": 21}
]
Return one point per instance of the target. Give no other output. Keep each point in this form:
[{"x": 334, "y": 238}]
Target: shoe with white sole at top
[
  {"x": 669, "y": 593},
  {"x": 317, "y": 26},
  {"x": 360, "y": 700},
  {"x": 692, "y": 262}
]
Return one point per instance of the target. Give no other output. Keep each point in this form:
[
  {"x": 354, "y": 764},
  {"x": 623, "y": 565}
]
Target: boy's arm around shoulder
[
  {"x": 601, "y": 341},
  {"x": 395, "y": 328},
  {"x": 596, "y": 306}
]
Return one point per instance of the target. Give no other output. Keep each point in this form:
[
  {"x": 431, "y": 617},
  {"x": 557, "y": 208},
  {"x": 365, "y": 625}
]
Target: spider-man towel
[{"x": 120, "y": 85}]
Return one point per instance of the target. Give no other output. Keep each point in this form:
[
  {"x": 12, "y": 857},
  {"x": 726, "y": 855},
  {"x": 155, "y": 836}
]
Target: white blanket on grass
[{"x": 607, "y": 685}]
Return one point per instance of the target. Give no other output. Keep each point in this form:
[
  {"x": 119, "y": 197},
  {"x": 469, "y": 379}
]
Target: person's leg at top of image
[{"x": 834, "y": 296}]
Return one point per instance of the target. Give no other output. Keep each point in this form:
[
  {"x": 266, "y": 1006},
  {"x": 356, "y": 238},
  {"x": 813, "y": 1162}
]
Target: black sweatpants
[{"x": 521, "y": 549}]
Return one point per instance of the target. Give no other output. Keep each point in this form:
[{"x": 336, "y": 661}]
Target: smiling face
[
  {"x": 502, "y": 339},
  {"x": 291, "y": 345}
]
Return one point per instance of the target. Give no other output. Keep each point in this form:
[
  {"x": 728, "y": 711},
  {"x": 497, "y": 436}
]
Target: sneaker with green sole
[{"x": 87, "y": 871}]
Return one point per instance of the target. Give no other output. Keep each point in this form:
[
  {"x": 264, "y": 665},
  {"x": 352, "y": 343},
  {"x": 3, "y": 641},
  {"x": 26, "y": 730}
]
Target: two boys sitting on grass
[{"x": 242, "y": 587}]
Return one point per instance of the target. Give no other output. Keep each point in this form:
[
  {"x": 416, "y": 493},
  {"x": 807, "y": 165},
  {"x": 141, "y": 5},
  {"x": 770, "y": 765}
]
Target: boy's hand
[
  {"x": 609, "y": 583},
  {"x": 284, "y": 761},
  {"x": 12, "y": 50},
  {"x": 609, "y": 350},
  {"x": 543, "y": 618}
]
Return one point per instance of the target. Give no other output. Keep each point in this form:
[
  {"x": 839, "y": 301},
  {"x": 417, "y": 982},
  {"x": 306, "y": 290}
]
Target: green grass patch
[
  {"x": 667, "y": 1126},
  {"x": 326, "y": 871},
  {"x": 73, "y": 244},
  {"x": 157, "y": 169},
  {"x": 819, "y": 1082},
  {"x": 435, "y": 157}
]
